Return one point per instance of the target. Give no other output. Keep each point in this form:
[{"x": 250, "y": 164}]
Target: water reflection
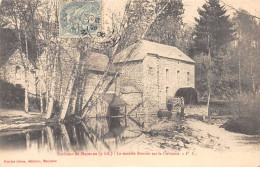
[{"x": 106, "y": 134}]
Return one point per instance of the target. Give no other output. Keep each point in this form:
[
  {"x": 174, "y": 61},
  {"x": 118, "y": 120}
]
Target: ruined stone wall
[{"x": 13, "y": 72}]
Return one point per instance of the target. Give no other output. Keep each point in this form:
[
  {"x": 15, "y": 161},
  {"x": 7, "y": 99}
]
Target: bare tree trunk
[
  {"x": 73, "y": 103},
  {"x": 28, "y": 141},
  {"x": 75, "y": 93},
  {"x": 239, "y": 72},
  {"x": 50, "y": 139},
  {"x": 209, "y": 92},
  {"x": 65, "y": 104},
  {"x": 46, "y": 98},
  {"x": 74, "y": 136},
  {"x": 252, "y": 77},
  {"x": 65, "y": 137},
  {"x": 61, "y": 77},
  {"x": 209, "y": 76},
  {"x": 81, "y": 97},
  {"x": 42, "y": 139},
  {"x": 50, "y": 106},
  {"x": 52, "y": 91},
  {"x": 41, "y": 100},
  {"x": 47, "y": 84},
  {"x": 26, "y": 101},
  {"x": 26, "y": 94},
  {"x": 80, "y": 91},
  {"x": 69, "y": 90}
]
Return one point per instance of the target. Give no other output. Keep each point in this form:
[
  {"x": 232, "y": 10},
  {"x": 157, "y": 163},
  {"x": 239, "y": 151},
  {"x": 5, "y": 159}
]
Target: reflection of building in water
[
  {"x": 109, "y": 105},
  {"x": 92, "y": 135}
]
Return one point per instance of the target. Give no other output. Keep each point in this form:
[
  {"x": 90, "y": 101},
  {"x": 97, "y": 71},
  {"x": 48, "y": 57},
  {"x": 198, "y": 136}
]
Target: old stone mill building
[{"x": 152, "y": 73}]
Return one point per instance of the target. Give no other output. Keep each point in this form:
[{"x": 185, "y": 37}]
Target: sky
[{"x": 191, "y": 6}]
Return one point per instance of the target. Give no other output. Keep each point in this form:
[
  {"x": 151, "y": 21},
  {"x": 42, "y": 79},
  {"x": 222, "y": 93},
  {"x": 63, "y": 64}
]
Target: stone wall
[
  {"x": 131, "y": 74},
  {"x": 162, "y": 78},
  {"x": 134, "y": 101},
  {"x": 158, "y": 78},
  {"x": 151, "y": 90},
  {"x": 13, "y": 72},
  {"x": 179, "y": 75}
]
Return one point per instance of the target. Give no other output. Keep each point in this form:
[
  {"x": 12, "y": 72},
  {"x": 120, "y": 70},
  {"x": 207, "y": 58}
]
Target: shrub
[
  {"x": 246, "y": 105},
  {"x": 246, "y": 115}
]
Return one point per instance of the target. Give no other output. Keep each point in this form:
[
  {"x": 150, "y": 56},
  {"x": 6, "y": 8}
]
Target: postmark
[{"x": 80, "y": 18}]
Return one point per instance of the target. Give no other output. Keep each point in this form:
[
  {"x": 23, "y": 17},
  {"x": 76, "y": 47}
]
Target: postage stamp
[{"x": 80, "y": 18}]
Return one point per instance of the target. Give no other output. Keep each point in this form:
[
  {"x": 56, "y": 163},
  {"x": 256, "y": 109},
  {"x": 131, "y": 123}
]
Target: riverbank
[
  {"x": 17, "y": 119},
  {"x": 193, "y": 135},
  {"x": 190, "y": 133}
]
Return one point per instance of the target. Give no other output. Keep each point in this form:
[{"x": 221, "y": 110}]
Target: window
[
  {"x": 18, "y": 72},
  {"x": 151, "y": 71},
  {"x": 167, "y": 91},
  {"x": 178, "y": 76},
  {"x": 167, "y": 74},
  {"x": 188, "y": 77},
  {"x": 17, "y": 68}
]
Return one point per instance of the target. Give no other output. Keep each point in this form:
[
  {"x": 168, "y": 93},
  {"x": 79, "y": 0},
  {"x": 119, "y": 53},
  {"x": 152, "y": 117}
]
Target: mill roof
[
  {"x": 97, "y": 62},
  {"x": 147, "y": 47}
]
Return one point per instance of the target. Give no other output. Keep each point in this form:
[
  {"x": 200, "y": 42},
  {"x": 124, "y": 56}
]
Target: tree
[
  {"x": 168, "y": 26},
  {"x": 21, "y": 16},
  {"x": 137, "y": 14},
  {"x": 213, "y": 28},
  {"x": 61, "y": 63},
  {"x": 212, "y": 33},
  {"x": 247, "y": 51}
]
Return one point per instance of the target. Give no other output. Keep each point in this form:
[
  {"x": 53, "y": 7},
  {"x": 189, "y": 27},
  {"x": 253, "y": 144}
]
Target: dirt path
[
  {"x": 218, "y": 139},
  {"x": 177, "y": 135}
]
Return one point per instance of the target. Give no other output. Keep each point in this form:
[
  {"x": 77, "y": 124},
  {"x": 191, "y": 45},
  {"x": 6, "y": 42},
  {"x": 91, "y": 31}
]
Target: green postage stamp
[{"x": 80, "y": 18}]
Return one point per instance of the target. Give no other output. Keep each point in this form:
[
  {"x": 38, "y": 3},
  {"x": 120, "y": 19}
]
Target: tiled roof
[
  {"x": 148, "y": 47},
  {"x": 97, "y": 62}
]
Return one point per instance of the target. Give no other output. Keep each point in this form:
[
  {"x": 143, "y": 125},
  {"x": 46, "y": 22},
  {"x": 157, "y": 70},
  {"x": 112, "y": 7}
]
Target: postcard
[{"x": 124, "y": 83}]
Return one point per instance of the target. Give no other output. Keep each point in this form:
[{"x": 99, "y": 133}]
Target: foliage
[
  {"x": 246, "y": 115},
  {"x": 213, "y": 32},
  {"x": 7, "y": 48},
  {"x": 213, "y": 28},
  {"x": 11, "y": 94},
  {"x": 138, "y": 14},
  {"x": 246, "y": 105},
  {"x": 25, "y": 14},
  {"x": 247, "y": 50}
]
